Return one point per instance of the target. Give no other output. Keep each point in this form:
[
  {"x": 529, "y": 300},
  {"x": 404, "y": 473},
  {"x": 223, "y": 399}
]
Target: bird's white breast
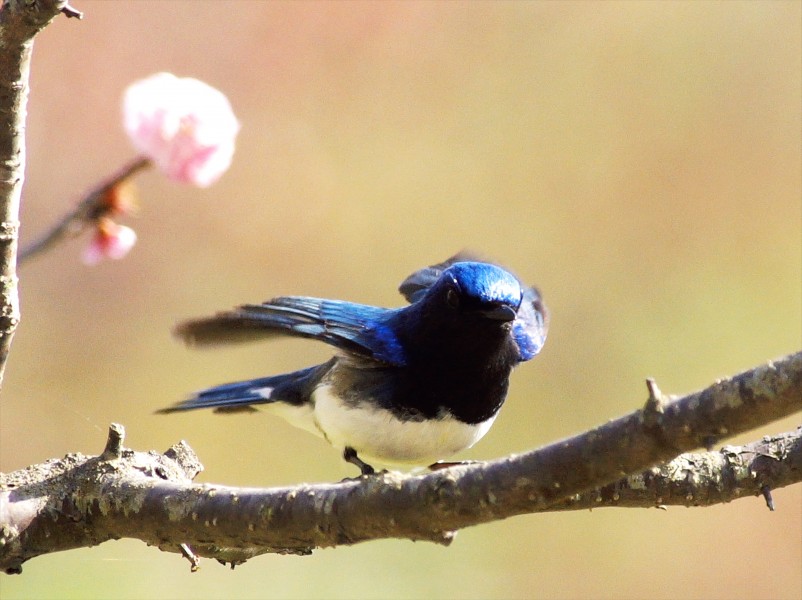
[{"x": 376, "y": 433}]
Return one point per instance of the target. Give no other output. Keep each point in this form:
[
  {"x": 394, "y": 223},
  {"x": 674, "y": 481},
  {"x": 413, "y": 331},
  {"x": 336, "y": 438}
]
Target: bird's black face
[
  {"x": 458, "y": 302},
  {"x": 459, "y": 340},
  {"x": 460, "y": 317},
  {"x": 463, "y": 323},
  {"x": 482, "y": 291}
]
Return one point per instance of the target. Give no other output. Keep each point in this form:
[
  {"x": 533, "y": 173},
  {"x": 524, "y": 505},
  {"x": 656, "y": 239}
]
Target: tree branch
[
  {"x": 704, "y": 478},
  {"x": 20, "y": 21},
  {"x": 93, "y": 207},
  {"x": 81, "y": 501}
]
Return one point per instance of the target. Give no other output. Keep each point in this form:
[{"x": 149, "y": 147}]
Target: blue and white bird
[{"x": 408, "y": 385}]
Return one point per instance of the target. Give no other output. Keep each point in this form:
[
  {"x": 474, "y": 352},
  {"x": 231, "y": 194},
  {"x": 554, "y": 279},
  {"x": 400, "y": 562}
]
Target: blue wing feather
[
  {"x": 416, "y": 285},
  {"x": 366, "y": 331},
  {"x": 531, "y": 325},
  {"x": 358, "y": 328}
]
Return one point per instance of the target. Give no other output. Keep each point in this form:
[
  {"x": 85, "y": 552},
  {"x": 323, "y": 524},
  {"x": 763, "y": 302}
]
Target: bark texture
[{"x": 633, "y": 461}]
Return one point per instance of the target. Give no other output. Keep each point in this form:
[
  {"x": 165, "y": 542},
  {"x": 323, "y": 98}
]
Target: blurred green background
[{"x": 639, "y": 162}]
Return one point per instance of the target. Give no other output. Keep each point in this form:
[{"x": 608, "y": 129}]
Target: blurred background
[{"x": 639, "y": 162}]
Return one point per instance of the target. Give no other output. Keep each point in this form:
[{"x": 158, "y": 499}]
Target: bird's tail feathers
[
  {"x": 227, "y": 397},
  {"x": 292, "y": 388}
]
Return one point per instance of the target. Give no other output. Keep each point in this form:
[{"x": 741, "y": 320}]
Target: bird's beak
[{"x": 502, "y": 312}]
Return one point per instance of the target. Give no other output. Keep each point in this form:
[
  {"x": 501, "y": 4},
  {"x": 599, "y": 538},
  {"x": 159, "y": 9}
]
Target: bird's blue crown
[{"x": 486, "y": 283}]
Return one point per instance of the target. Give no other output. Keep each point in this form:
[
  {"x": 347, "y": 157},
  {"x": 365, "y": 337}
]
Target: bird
[{"x": 407, "y": 386}]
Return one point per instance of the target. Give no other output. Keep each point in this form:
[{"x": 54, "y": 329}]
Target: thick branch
[
  {"x": 704, "y": 478},
  {"x": 82, "y": 501},
  {"x": 20, "y": 21}
]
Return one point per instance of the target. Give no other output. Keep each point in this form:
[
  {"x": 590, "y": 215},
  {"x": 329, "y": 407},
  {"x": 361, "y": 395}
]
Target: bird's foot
[{"x": 350, "y": 456}]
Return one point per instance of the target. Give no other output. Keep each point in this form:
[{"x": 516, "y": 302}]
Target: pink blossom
[
  {"x": 186, "y": 127},
  {"x": 110, "y": 241}
]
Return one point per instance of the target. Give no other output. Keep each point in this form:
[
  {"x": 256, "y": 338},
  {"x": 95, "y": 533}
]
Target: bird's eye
[{"x": 452, "y": 298}]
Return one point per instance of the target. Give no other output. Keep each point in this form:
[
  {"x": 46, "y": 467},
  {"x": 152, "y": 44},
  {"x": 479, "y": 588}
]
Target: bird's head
[{"x": 480, "y": 289}]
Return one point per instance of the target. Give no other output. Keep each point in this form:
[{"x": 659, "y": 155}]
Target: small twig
[
  {"x": 88, "y": 211},
  {"x": 194, "y": 560},
  {"x": 766, "y": 491},
  {"x": 70, "y": 12},
  {"x": 114, "y": 443},
  {"x": 655, "y": 403}
]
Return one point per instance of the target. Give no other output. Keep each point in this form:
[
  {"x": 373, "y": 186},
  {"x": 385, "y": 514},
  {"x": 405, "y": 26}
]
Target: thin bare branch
[
  {"x": 20, "y": 21},
  {"x": 88, "y": 211},
  {"x": 71, "y": 13}
]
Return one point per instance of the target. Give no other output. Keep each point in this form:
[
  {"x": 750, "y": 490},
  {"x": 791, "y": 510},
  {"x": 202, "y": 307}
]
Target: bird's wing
[
  {"x": 416, "y": 285},
  {"x": 356, "y": 328},
  {"x": 531, "y": 325}
]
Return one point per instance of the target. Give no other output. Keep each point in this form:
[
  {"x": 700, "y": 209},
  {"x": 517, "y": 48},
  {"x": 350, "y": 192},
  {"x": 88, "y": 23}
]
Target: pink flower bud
[
  {"x": 119, "y": 199},
  {"x": 186, "y": 127},
  {"x": 110, "y": 241}
]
